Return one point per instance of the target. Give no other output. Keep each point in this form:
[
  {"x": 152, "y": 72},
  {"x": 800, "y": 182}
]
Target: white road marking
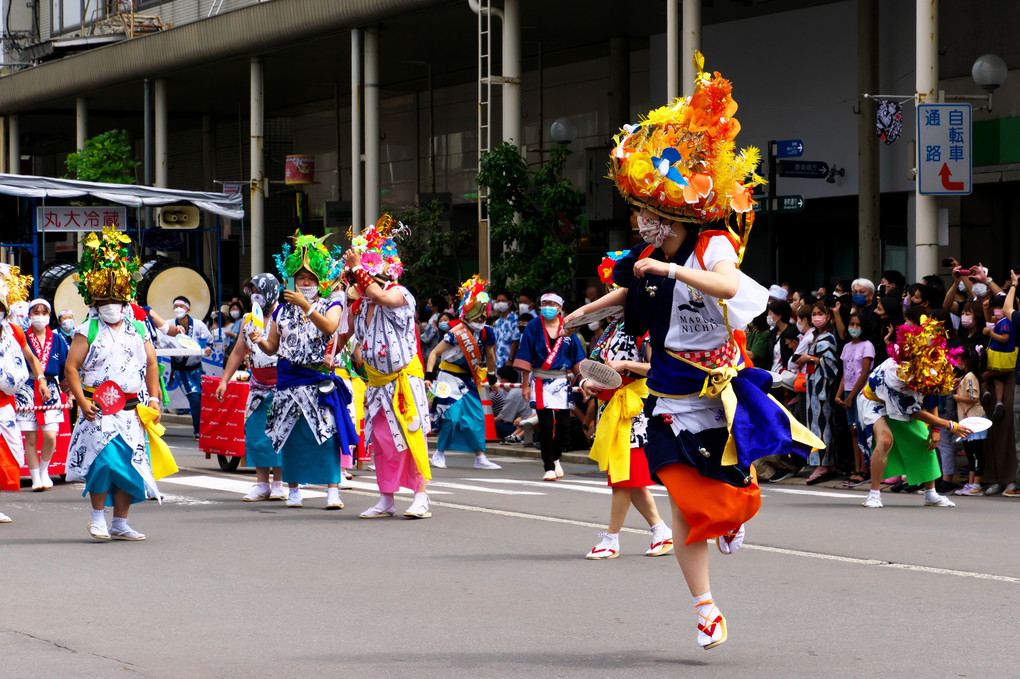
[
  {"x": 762, "y": 548},
  {"x": 243, "y": 486},
  {"x": 816, "y": 493},
  {"x": 604, "y": 490}
]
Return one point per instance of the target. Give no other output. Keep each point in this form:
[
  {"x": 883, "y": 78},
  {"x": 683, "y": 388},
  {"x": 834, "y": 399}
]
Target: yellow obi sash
[
  {"x": 405, "y": 409},
  {"x": 357, "y": 395},
  {"x": 611, "y": 448},
  {"x": 160, "y": 457}
]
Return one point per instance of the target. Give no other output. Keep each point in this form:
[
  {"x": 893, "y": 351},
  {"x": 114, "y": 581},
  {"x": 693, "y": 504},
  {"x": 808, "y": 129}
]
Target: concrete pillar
[
  {"x": 257, "y": 187},
  {"x": 81, "y": 122},
  {"x": 372, "y": 213},
  {"x": 691, "y": 43},
  {"x": 927, "y": 78},
  {"x": 14, "y": 144},
  {"x": 357, "y": 189},
  {"x": 512, "y": 72},
  {"x": 672, "y": 50},
  {"x": 869, "y": 243},
  {"x": 161, "y": 133}
]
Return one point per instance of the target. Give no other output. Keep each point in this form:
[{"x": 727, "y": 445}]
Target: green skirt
[{"x": 909, "y": 454}]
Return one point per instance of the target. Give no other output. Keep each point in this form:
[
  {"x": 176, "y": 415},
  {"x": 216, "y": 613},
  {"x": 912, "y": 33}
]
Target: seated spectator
[{"x": 513, "y": 410}]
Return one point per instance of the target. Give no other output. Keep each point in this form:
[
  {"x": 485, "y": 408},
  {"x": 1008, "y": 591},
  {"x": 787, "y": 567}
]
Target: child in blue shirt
[{"x": 1001, "y": 356}]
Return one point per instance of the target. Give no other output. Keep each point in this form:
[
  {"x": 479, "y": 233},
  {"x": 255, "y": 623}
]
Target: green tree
[
  {"x": 427, "y": 250},
  {"x": 107, "y": 157},
  {"x": 537, "y": 249}
]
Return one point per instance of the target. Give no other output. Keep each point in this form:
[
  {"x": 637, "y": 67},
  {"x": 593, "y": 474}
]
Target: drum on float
[
  {"x": 58, "y": 286},
  {"x": 162, "y": 280}
]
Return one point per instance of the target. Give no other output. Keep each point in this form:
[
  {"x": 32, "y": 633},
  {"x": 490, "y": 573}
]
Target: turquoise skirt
[
  {"x": 112, "y": 469},
  {"x": 305, "y": 461},
  {"x": 258, "y": 449}
]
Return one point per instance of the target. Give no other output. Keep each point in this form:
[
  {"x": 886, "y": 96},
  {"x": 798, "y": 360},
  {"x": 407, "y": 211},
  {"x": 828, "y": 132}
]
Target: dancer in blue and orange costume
[
  {"x": 113, "y": 351},
  {"x": 622, "y": 431},
  {"x": 710, "y": 414},
  {"x": 18, "y": 366},
  {"x": 467, "y": 358}
]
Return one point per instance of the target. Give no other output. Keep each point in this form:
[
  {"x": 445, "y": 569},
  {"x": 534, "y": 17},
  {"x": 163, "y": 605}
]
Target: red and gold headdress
[
  {"x": 474, "y": 300},
  {"x": 925, "y": 360},
  {"x": 106, "y": 269}
]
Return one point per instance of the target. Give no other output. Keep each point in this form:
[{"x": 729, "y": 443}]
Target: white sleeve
[{"x": 719, "y": 249}]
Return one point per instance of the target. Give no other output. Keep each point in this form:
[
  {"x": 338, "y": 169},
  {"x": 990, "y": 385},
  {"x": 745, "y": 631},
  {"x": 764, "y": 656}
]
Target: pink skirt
[{"x": 394, "y": 469}]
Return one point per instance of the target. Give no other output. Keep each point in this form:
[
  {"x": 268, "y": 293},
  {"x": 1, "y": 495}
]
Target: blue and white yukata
[
  {"x": 309, "y": 428},
  {"x": 459, "y": 415},
  {"x": 110, "y": 452}
]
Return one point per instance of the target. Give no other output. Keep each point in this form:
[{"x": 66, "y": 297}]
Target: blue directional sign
[
  {"x": 789, "y": 148},
  {"x": 944, "y": 163},
  {"x": 805, "y": 169}
]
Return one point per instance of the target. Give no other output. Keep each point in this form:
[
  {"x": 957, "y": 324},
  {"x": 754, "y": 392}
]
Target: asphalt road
[{"x": 495, "y": 584}]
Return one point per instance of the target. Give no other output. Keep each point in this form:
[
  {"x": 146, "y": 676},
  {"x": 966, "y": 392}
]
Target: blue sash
[{"x": 289, "y": 376}]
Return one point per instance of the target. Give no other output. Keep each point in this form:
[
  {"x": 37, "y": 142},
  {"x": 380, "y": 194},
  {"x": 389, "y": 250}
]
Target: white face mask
[
  {"x": 500, "y": 307},
  {"x": 235, "y": 314},
  {"x": 979, "y": 289},
  {"x": 180, "y": 312},
  {"x": 39, "y": 322},
  {"x": 653, "y": 231},
  {"x": 593, "y": 326},
  {"x": 308, "y": 291},
  {"x": 476, "y": 326},
  {"x": 67, "y": 324},
  {"x": 770, "y": 320},
  {"x": 524, "y": 308},
  {"x": 112, "y": 313},
  {"x": 961, "y": 287}
]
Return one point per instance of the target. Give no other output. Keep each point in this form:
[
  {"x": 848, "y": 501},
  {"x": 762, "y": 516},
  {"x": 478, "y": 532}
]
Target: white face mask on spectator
[
  {"x": 500, "y": 307},
  {"x": 67, "y": 324},
  {"x": 180, "y": 312},
  {"x": 235, "y": 314},
  {"x": 979, "y": 289},
  {"x": 39, "y": 322}
]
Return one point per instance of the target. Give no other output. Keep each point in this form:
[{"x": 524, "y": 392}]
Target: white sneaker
[
  {"x": 419, "y": 509},
  {"x": 333, "y": 500},
  {"x": 44, "y": 477},
  {"x": 277, "y": 492},
  {"x": 711, "y": 628},
  {"x": 730, "y": 542},
  {"x": 662, "y": 540},
  {"x": 126, "y": 532},
  {"x": 482, "y": 462},
  {"x": 993, "y": 489},
  {"x": 607, "y": 548},
  {"x": 549, "y": 476},
  {"x": 873, "y": 502},
  {"x": 294, "y": 497},
  {"x": 385, "y": 507},
  {"x": 559, "y": 469},
  {"x": 939, "y": 501},
  {"x": 4, "y": 518},
  {"x": 439, "y": 460},
  {"x": 258, "y": 492},
  {"x": 98, "y": 529}
]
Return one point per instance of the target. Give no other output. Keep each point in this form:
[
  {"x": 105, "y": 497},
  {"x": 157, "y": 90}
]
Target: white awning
[{"x": 27, "y": 186}]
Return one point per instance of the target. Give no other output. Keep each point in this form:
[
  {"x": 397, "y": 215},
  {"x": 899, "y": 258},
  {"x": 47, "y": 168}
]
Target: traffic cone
[{"x": 490, "y": 419}]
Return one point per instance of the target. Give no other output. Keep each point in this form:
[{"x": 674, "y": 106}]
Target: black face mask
[{"x": 881, "y": 291}]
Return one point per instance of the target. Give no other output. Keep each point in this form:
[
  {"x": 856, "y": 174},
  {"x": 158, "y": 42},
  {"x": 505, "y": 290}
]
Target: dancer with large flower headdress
[
  {"x": 111, "y": 371},
  {"x": 264, "y": 291},
  {"x": 622, "y": 430},
  {"x": 396, "y": 407},
  {"x": 466, "y": 356},
  {"x": 18, "y": 367},
  {"x": 899, "y": 399},
  {"x": 710, "y": 414},
  {"x": 308, "y": 422}
]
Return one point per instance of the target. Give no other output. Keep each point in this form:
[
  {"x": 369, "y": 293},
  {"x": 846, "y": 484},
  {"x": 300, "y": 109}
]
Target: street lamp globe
[
  {"x": 563, "y": 130},
  {"x": 989, "y": 72}
]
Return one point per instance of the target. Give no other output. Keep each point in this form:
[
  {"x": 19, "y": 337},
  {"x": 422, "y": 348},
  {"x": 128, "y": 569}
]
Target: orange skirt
[
  {"x": 10, "y": 470},
  {"x": 711, "y": 508}
]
